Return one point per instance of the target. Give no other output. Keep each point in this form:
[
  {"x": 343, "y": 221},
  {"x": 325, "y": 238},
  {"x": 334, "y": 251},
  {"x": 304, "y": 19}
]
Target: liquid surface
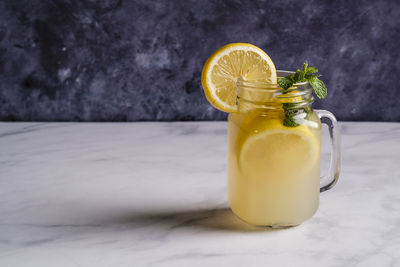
[{"x": 273, "y": 170}]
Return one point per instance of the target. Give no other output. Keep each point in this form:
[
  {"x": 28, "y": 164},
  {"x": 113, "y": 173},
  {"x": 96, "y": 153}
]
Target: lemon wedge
[
  {"x": 226, "y": 65},
  {"x": 270, "y": 149}
]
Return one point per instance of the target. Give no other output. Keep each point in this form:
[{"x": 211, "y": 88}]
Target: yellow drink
[
  {"x": 274, "y": 135},
  {"x": 273, "y": 170}
]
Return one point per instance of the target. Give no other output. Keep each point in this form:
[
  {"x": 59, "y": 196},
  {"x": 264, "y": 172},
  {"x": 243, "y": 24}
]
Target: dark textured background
[{"x": 118, "y": 60}]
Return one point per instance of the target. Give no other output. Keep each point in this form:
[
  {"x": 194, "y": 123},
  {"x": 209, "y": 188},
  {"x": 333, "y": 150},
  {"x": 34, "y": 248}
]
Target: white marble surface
[{"x": 153, "y": 194}]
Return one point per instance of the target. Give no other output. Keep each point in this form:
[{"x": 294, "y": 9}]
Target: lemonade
[
  {"x": 273, "y": 170},
  {"x": 274, "y": 135}
]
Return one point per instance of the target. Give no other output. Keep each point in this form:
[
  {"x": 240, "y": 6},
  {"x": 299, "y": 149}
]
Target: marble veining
[{"x": 153, "y": 194}]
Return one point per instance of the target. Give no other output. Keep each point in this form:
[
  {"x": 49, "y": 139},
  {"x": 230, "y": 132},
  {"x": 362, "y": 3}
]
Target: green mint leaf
[
  {"x": 299, "y": 76},
  {"x": 307, "y": 77},
  {"x": 290, "y": 77},
  {"x": 318, "y": 86},
  {"x": 290, "y": 111},
  {"x": 285, "y": 83},
  {"x": 311, "y": 69},
  {"x": 290, "y": 122}
]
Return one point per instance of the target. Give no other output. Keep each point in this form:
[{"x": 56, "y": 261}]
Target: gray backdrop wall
[{"x": 126, "y": 60}]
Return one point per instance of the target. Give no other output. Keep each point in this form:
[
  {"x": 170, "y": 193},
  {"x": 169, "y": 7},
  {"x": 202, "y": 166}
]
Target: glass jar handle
[{"x": 328, "y": 181}]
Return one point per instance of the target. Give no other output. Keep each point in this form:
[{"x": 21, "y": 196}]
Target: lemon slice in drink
[
  {"x": 226, "y": 65},
  {"x": 274, "y": 150}
]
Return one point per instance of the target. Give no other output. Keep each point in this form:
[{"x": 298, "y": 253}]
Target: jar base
[
  {"x": 273, "y": 226},
  {"x": 268, "y": 226}
]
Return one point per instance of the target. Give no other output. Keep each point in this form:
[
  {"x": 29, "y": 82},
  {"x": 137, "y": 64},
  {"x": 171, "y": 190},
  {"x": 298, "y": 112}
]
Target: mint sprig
[
  {"x": 308, "y": 74},
  {"x": 290, "y": 112}
]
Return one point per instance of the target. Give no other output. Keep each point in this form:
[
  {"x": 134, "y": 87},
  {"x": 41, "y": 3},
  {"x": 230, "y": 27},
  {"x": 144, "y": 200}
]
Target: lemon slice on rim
[
  {"x": 226, "y": 65},
  {"x": 272, "y": 149}
]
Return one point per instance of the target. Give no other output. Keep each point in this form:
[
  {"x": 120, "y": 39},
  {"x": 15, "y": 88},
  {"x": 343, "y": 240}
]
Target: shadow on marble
[{"x": 211, "y": 219}]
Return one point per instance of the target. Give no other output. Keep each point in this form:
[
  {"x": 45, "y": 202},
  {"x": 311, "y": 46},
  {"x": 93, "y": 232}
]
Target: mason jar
[{"x": 274, "y": 151}]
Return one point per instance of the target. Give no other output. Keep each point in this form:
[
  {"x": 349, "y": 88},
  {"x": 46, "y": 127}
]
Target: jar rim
[
  {"x": 262, "y": 92},
  {"x": 269, "y": 87}
]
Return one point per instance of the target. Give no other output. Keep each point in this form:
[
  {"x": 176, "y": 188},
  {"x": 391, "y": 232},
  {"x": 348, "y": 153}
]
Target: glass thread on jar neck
[{"x": 263, "y": 95}]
